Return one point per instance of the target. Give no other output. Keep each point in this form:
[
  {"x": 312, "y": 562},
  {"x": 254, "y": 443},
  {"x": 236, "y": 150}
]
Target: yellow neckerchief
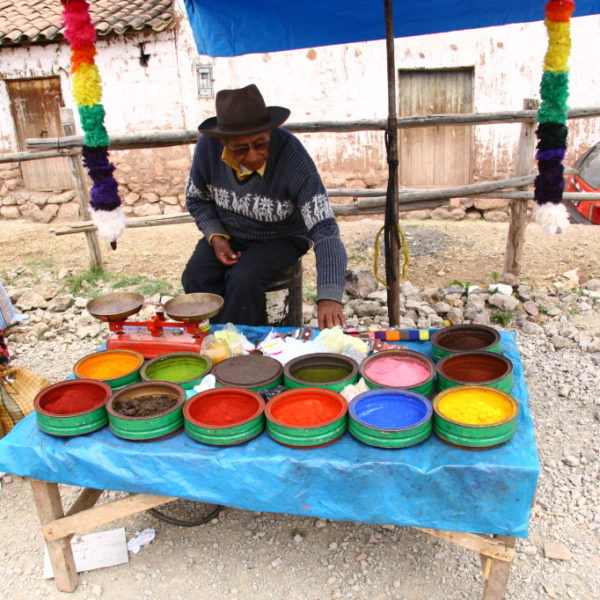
[{"x": 240, "y": 172}]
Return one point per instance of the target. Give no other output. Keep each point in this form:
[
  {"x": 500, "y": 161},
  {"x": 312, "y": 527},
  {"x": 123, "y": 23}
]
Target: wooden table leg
[
  {"x": 49, "y": 506},
  {"x": 498, "y": 572}
]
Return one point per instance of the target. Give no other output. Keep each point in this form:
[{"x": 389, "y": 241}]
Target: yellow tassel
[
  {"x": 87, "y": 89},
  {"x": 559, "y": 46}
]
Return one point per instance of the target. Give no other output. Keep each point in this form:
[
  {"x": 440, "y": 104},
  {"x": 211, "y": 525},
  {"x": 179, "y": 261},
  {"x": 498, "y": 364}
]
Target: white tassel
[
  {"x": 110, "y": 223},
  {"x": 552, "y": 218}
]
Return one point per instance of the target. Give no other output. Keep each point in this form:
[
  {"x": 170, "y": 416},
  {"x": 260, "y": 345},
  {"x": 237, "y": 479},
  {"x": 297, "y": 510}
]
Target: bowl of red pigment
[
  {"x": 72, "y": 407},
  {"x": 399, "y": 369},
  {"x": 307, "y": 417},
  {"x": 224, "y": 416},
  {"x": 147, "y": 411}
]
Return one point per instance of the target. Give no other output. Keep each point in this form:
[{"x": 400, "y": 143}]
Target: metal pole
[{"x": 392, "y": 237}]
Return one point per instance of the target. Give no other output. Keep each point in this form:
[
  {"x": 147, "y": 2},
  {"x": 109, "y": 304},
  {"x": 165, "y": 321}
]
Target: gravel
[{"x": 244, "y": 555}]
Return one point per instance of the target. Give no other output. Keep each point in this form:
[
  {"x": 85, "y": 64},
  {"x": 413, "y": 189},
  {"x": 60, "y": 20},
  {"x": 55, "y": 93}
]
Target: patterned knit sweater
[{"x": 289, "y": 200}]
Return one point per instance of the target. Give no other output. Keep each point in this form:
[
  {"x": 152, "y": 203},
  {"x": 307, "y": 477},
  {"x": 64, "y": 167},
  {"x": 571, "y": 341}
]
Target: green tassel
[
  {"x": 92, "y": 122},
  {"x": 554, "y": 90}
]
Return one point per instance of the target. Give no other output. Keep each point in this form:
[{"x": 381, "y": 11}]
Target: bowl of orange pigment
[
  {"x": 224, "y": 416},
  {"x": 117, "y": 368},
  {"x": 72, "y": 407},
  {"x": 474, "y": 416},
  {"x": 307, "y": 417}
]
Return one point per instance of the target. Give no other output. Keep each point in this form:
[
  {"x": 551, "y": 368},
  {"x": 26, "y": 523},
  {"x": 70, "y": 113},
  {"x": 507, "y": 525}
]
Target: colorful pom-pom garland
[
  {"x": 549, "y": 211},
  {"x": 87, "y": 92}
]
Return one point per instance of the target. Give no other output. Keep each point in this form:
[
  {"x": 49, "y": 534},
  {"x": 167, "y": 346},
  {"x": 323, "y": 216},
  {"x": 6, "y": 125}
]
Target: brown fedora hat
[{"x": 242, "y": 112}]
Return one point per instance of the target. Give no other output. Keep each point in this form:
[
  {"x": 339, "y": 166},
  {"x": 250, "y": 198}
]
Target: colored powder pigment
[
  {"x": 321, "y": 374},
  {"x": 111, "y": 366},
  {"x": 475, "y": 407},
  {"x": 307, "y": 411},
  {"x": 397, "y": 371},
  {"x": 391, "y": 411},
  {"x": 71, "y": 402},
  {"x": 223, "y": 411},
  {"x": 177, "y": 370},
  {"x": 474, "y": 369},
  {"x": 144, "y": 406}
]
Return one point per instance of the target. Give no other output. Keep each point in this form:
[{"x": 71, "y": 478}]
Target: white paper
[{"x": 141, "y": 538}]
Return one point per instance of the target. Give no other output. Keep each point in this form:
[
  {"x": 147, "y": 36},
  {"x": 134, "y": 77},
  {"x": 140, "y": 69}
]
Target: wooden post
[
  {"x": 518, "y": 208},
  {"x": 50, "y": 508},
  {"x": 83, "y": 197},
  {"x": 498, "y": 572}
]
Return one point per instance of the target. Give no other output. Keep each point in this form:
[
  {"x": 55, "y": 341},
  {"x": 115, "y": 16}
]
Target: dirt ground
[{"x": 441, "y": 251}]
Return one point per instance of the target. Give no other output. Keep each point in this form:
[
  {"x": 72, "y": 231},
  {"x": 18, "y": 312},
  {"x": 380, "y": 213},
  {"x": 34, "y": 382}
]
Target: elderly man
[{"x": 257, "y": 197}]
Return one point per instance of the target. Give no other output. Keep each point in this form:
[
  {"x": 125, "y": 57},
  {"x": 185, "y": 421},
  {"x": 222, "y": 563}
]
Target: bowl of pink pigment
[
  {"x": 390, "y": 418},
  {"x": 404, "y": 369},
  {"x": 72, "y": 407}
]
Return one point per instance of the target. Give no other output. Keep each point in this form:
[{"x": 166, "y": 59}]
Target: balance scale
[{"x": 156, "y": 336}]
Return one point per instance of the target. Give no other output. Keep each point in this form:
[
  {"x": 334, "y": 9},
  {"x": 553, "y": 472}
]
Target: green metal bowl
[
  {"x": 224, "y": 416},
  {"x": 451, "y": 427},
  {"x": 74, "y": 422},
  {"x": 306, "y": 417},
  {"x": 152, "y": 427},
  {"x": 404, "y": 361},
  {"x": 186, "y": 369},
  {"x": 464, "y": 338},
  {"x": 476, "y": 368},
  {"x": 322, "y": 369}
]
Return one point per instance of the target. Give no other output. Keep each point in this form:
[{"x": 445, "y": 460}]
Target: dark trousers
[{"x": 243, "y": 285}]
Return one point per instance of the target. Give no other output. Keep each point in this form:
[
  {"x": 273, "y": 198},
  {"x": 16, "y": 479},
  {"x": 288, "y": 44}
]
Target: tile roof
[{"x": 35, "y": 21}]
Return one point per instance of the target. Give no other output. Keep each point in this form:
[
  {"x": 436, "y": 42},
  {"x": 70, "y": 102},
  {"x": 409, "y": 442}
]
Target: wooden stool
[{"x": 290, "y": 314}]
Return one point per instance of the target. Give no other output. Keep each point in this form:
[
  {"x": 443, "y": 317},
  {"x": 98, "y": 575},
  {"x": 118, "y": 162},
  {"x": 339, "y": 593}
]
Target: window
[{"x": 205, "y": 81}]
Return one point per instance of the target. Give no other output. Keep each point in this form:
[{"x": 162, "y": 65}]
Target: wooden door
[
  {"x": 436, "y": 156},
  {"x": 35, "y": 105}
]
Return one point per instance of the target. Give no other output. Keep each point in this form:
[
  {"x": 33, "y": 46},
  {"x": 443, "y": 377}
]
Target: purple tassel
[
  {"x": 558, "y": 154},
  {"x": 104, "y": 194}
]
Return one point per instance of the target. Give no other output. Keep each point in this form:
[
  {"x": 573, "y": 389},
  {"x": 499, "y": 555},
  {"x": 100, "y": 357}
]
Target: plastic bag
[
  {"x": 336, "y": 341},
  {"x": 214, "y": 349},
  {"x": 234, "y": 340}
]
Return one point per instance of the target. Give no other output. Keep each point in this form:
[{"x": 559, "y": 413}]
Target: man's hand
[
  {"x": 330, "y": 314},
  {"x": 222, "y": 249}
]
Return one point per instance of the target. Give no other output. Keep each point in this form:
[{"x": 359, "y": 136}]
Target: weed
[
  {"x": 147, "y": 286},
  {"x": 309, "y": 293},
  {"x": 465, "y": 284},
  {"x": 504, "y": 317},
  {"x": 87, "y": 279},
  {"x": 543, "y": 309},
  {"x": 495, "y": 275}
]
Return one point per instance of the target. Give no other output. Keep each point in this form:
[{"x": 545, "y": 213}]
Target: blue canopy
[{"x": 233, "y": 27}]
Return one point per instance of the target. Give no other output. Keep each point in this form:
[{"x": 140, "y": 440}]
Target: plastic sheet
[{"x": 430, "y": 485}]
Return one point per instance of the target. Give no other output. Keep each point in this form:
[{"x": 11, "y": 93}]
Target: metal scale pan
[
  {"x": 193, "y": 307},
  {"x": 116, "y": 306}
]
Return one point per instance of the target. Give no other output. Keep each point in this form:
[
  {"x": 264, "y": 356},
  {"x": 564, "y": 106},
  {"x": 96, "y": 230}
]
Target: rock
[
  {"x": 503, "y": 302},
  {"x": 559, "y": 342},
  {"x": 592, "y": 285},
  {"x": 30, "y": 300},
  {"x": 531, "y": 308},
  {"x": 530, "y": 328},
  {"x": 571, "y": 461},
  {"x": 557, "y": 551},
  {"x": 500, "y": 288},
  {"x": 360, "y": 283}
]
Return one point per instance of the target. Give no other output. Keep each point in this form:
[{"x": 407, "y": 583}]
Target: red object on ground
[{"x": 587, "y": 179}]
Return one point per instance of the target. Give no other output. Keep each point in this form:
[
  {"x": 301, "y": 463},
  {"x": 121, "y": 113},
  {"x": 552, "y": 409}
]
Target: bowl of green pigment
[
  {"x": 324, "y": 370},
  {"x": 390, "y": 418},
  {"x": 150, "y": 410},
  {"x": 306, "y": 417},
  {"x": 252, "y": 371},
  {"x": 464, "y": 338},
  {"x": 399, "y": 369},
  {"x": 72, "y": 407},
  {"x": 481, "y": 368},
  {"x": 474, "y": 417},
  {"x": 186, "y": 369},
  {"x": 224, "y": 416},
  {"x": 117, "y": 368}
]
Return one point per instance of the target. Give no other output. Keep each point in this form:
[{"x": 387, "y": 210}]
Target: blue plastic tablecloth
[{"x": 430, "y": 485}]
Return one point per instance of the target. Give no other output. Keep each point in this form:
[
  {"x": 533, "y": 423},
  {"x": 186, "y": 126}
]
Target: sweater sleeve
[{"x": 198, "y": 198}]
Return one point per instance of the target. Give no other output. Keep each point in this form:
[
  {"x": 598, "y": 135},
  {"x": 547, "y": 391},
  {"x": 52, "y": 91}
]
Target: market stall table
[{"x": 480, "y": 500}]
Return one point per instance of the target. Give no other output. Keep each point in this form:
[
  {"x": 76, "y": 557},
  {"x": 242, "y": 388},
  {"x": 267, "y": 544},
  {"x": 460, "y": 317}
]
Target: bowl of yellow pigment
[
  {"x": 475, "y": 417},
  {"x": 117, "y": 368}
]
